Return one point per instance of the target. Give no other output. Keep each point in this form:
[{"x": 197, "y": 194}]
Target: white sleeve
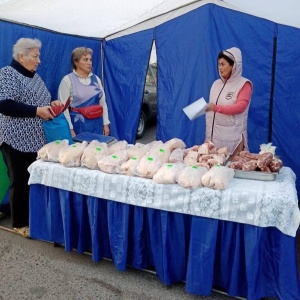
[
  {"x": 64, "y": 92},
  {"x": 102, "y": 102}
]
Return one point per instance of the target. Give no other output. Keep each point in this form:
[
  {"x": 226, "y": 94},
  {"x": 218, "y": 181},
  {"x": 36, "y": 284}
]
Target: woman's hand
[
  {"x": 56, "y": 103},
  {"x": 210, "y": 107},
  {"x": 44, "y": 112},
  {"x": 106, "y": 130}
]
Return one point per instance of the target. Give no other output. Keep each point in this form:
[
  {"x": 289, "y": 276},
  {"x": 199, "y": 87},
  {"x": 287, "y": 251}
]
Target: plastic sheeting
[{"x": 243, "y": 260}]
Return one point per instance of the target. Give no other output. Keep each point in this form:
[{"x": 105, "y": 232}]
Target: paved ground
[{"x": 32, "y": 269}]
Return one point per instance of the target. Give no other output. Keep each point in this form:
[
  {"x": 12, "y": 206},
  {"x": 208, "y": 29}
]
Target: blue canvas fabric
[
  {"x": 187, "y": 49},
  {"x": 187, "y": 72},
  {"x": 243, "y": 260},
  {"x": 55, "y": 59},
  {"x": 286, "y": 105},
  {"x": 125, "y": 65}
]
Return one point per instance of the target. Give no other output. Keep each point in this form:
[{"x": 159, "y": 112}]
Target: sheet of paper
[{"x": 195, "y": 109}]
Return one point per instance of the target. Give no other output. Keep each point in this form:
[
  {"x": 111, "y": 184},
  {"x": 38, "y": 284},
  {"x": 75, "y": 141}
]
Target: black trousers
[{"x": 17, "y": 164}]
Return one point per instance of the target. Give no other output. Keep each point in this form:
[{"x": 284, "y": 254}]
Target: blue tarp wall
[
  {"x": 55, "y": 53},
  {"x": 187, "y": 49}
]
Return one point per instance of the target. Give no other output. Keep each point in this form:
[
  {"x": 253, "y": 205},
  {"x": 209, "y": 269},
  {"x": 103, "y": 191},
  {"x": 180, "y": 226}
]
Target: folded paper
[{"x": 195, "y": 109}]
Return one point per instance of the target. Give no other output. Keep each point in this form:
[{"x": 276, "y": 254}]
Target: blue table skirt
[{"x": 243, "y": 260}]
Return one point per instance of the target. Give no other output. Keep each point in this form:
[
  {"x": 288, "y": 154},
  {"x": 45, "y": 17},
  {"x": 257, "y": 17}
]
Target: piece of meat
[
  {"x": 266, "y": 169},
  {"x": 203, "y": 149},
  {"x": 204, "y": 158},
  {"x": 239, "y": 159},
  {"x": 275, "y": 165},
  {"x": 223, "y": 150},
  {"x": 191, "y": 158},
  {"x": 193, "y": 148},
  {"x": 250, "y": 165},
  {"x": 216, "y": 160},
  {"x": 249, "y": 156},
  {"x": 264, "y": 159},
  {"x": 237, "y": 165},
  {"x": 212, "y": 151}
]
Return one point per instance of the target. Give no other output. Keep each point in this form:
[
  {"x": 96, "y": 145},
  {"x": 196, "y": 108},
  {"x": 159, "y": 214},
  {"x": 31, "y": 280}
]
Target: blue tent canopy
[{"x": 187, "y": 47}]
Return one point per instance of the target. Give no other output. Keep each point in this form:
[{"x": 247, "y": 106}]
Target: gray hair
[
  {"x": 24, "y": 45},
  {"x": 77, "y": 53}
]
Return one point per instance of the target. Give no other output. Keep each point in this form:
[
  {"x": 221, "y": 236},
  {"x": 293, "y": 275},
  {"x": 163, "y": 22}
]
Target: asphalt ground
[{"x": 33, "y": 269}]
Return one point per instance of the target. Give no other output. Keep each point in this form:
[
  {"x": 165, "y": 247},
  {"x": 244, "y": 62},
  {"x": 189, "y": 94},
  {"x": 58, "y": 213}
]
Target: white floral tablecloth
[{"x": 259, "y": 203}]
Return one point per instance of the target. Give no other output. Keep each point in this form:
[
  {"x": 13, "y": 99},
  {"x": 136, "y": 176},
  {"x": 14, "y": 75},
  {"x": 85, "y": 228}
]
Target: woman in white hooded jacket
[{"x": 229, "y": 100}]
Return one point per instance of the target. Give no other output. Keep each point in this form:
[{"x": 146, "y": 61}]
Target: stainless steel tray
[{"x": 255, "y": 175}]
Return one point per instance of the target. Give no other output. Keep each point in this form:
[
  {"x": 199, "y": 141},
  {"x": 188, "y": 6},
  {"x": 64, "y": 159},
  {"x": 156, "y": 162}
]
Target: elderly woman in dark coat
[{"x": 24, "y": 103}]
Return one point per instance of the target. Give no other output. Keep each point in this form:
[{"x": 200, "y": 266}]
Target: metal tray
[{"x": 255, "y": 175}]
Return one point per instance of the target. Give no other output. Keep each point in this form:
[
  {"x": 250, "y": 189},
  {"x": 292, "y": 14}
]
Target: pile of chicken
[
  {"x": 264, "y": 162},
  {"x": 169, "y": 162}
]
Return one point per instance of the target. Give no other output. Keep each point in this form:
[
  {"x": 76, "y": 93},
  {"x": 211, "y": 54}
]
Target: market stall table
[{"x": 241, "y": 239}]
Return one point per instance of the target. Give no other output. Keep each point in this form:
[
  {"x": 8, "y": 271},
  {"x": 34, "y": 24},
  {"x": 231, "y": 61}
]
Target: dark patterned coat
[{"x": 23, "y": 91}]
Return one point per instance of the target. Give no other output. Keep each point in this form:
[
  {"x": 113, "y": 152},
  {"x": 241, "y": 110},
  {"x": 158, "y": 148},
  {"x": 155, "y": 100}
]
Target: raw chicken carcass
[
  {"x": 92, "y": 153},
  {"x": 190, "y": 176},
  {"x": 50, "y": 151},
  {"x": 70, "y": 156},
  {"x": 161, "y": 150},
  {"x": 176, "y": 155},
  {"x": 118, "y": 146},
  {"x": 138, "y": 150},
  {"x": 175, "y": 143},
  {"x": 218, "y": 177},
  {"x": 112, "y": 163},
  {"x": 129, "y": 167},
  {"x": 168, "y": 172},
  {"x": 149, "y": 165}
]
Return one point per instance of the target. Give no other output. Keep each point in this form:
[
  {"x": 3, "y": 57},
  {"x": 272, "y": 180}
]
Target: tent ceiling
[{"x": 99, "y": 19}]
